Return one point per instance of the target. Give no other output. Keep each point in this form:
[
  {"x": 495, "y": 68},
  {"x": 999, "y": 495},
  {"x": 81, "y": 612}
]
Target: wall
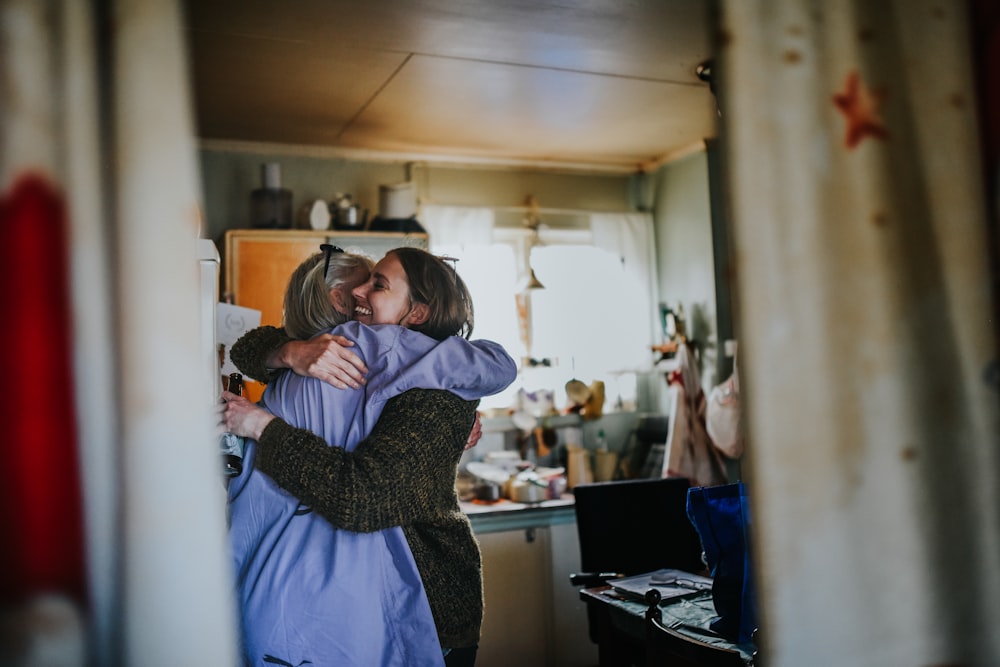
[
  {"x": 684, "y": 253},
  {"x": 228, "y": 177},
  {"x": 686, "y": 259}
]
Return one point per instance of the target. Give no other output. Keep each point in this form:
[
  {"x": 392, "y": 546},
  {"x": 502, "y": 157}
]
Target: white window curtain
[
  {"x": 630, "y": 236},
  {"x": 461, "y": 226},
  {"x": 488, "y": 269}
]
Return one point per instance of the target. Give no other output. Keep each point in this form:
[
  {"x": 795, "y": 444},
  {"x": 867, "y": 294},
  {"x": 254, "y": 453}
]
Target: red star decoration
[{"x": 860, "y": 107}]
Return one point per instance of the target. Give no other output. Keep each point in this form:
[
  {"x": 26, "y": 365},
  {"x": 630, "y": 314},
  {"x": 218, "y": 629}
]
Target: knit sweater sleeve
[
  {"x": 251, "y": 351},
  {"x": 402, "y": 473}
]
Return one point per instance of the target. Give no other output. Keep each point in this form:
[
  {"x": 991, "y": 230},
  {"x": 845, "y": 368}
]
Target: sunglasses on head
[
  {"x": 328, "y": 250},
  {"x": 451, "y": 263}
]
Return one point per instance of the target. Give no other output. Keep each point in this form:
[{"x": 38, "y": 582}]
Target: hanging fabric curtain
[
  {"x": 630, "y": 237},
  {"x": 457, "y": 225},
  {"x": 466, "y": 232},
  {"x": 123, "y": 420},
  {"x": 867, "y": 343}
]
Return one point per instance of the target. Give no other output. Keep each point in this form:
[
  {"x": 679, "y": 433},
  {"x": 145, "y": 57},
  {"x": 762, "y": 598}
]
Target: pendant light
[
  {"x": 533, "y": 281},
  {"x": 532, "y": 222}
]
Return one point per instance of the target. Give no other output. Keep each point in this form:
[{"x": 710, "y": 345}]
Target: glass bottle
[{"x": 231, "y": 444}]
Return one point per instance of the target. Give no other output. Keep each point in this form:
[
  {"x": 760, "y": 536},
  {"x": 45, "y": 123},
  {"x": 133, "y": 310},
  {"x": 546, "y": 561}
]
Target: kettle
[{"x": 348, "y": 215}]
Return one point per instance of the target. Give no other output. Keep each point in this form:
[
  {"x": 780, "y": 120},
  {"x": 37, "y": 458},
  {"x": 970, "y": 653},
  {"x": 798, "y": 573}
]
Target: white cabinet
[
  {"x": 533, "y": 615},
  {"x": 515, "y": 583}
]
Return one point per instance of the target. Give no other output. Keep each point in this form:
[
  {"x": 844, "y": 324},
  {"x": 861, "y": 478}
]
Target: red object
[
  {"x": 860, "y": 106},
  {"x": 41, "y": 525}
]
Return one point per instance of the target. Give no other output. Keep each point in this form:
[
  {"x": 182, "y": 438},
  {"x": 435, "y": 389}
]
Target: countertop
[{"x": 505, "y": 514}]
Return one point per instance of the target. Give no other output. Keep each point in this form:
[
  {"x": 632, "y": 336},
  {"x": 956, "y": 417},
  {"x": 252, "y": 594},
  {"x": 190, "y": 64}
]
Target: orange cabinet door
[{"x": 259, "y": 264}]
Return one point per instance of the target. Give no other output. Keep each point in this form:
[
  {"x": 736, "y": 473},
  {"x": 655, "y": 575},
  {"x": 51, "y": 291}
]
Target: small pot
[
  {"x": 488, "y": 492},
  {"x": 527, "y": 491},
  {"x": 349, "y": 217}
]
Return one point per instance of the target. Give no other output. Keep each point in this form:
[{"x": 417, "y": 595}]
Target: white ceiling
[{"x": 609, "y": 85}]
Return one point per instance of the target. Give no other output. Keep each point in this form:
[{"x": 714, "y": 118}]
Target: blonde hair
[{"x": 308, "y": 310}]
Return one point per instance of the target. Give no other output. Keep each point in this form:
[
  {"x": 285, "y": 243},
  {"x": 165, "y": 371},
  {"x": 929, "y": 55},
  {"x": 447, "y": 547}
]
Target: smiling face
[
  {"x": 385, "y": 297},
  {"x": 341, "y": 297}
]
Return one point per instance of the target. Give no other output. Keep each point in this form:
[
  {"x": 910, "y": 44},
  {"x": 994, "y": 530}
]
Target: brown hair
[{"x": 434, "y": 282}]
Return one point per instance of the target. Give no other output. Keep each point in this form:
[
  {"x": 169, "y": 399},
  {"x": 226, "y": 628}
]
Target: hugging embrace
[{"x": 348, "y": 541}]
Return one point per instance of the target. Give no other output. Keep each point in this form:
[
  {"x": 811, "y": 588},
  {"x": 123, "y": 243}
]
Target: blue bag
[{"x": 721, "y": 516}]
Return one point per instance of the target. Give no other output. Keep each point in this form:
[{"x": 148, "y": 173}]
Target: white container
[
  {"x": 319, "y": 215},
  {"x": 270, "y": 175},
  {"x": 579, "y": 470},
  {"x": 398, "y": 201}
]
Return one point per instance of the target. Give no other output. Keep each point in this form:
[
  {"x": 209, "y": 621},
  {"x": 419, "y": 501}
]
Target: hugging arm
[
  {"x": 475, "y": 368},
  {"x": 253, "y": 350},
  {"x": 403, "y": 472},
  {"x": 263, "y": 352}
]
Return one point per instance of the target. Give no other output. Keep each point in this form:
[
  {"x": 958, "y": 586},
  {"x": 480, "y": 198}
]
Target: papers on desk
[{"x": 670, "y": 583}]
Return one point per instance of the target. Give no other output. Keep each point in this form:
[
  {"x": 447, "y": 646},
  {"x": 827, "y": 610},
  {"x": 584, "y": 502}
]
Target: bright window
[{"x": 589, "y": 322}]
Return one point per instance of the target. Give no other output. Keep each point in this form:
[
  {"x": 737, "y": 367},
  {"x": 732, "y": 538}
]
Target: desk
[{"x": 621, "y": 625}]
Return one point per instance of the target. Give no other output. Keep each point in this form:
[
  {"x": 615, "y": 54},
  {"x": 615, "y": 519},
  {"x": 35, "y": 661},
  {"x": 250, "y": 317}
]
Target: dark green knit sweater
[{"x": 402, "y": 474}]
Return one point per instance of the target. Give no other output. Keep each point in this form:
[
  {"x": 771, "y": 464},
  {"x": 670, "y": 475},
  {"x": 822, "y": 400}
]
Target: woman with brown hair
[{"x": 403, "y": 473}]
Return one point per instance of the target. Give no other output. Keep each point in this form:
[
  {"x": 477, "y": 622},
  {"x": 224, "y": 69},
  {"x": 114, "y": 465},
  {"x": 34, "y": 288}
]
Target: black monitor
[{"x": 634, "y": 526}]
